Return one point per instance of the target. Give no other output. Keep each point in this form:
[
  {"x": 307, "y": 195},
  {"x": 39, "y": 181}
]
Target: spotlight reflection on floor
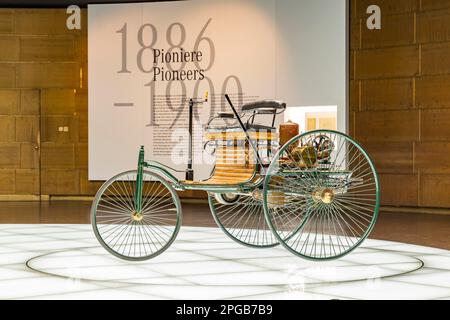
[{"x": 66, "y": 262}]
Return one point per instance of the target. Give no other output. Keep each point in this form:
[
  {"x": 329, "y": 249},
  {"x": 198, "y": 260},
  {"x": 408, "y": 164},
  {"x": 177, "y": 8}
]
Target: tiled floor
[{"x": 66, "y": 262}]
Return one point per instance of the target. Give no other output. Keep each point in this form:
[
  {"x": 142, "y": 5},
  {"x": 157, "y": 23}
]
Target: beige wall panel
[
  {"x": 435, "y": 125},
  {"x": 391, "y": 94},
  {"x": 387, "y": 7},
  {"x": 29, "y": 156},
  {"x": 7, "y": 179},
  {"x": 27, "y": 129},
  {"x": 388, "y": 126},
  {"x": 395, "y": 62},
  {"x": 433, "y": 26},
  {"x": 399, "y": 190},
  {"x": 436, "y": 58},
  {"x": 6, "y": 21},
  {"x": 29, "y": 102},
  {"x": 7, "y": 129},
  {"x": 60, "y": 182},
  {"x": 48, "y": 75},
  {"x": 434, "y": 191},
  {"x": 9, "y": 155},
  {"x": 433, "y": 92},
  {"x": 397, "y": 30},
  {"x": 9, "y": 48},
  {"x": 54, "y": 156},
  {"x": 9, "y": 101},
  {"x": 57, "y": 102},
  {"x": 7, "y": 75},
  {"x": 27, "y": 182},
  {"x": 393, "y": 157},
  {"x": 433, "y": 157},
  {"x": 47, "y": 49},
  {"x": 50, "y": 129}
]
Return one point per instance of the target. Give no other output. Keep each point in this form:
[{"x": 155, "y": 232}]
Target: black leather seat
[{"x": 265, "y": 105}]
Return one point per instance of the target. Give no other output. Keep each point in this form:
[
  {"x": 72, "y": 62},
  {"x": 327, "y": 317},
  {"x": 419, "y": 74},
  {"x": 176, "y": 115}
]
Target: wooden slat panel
[
  {"x": 27, "y": 182},
  {"x": 47, "y": 49},
  {"x": 433, "y": 26},
  {"x": 50, "y": 132},
  {"x": 435, "y": 191},
  {"x": 435, "y": 59},
  {"x": 354, "y": 95},
  {"x": 435, "y": 125},
  {"x": 434, "y": 4},
  {"x": 42, "y": 22},
  {"x": 6, "y": 21},
  {"x": 395, "y": 62},
  {"x": 399, "y": 190},
  {"x": 9, "y": 101},
  {"x": 433, "y": 92},
  {"x": 9, "y": 155},
  {"x": 7, "y": 75},
  {"x": 48, "y": 75},
  {"x": 60, "y": 182},
  {"x": 388, "y": 7},
  {"x": 58, "y": 102},
  {"x": 391, "y": 94},
  {"x": 433, "y": 157},
  {"x": 355, "y": 36},
  {"x": 7, "y": 181},
  {"x": 7, "y": 129},
  {"x": 389, "y": 126},
  {"x": 391, "y": 157},
  {"x": 29, "y": 156},
  {"x": 27, "y": 129},
  {"x": 29, "y": 102},
  {"x": 55, "y": 156},
  {"x": 397, "y": 30},
  {"x": 9, "y": 49}
]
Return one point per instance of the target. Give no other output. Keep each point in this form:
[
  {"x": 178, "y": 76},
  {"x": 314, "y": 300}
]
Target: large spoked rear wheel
[
  {"x": 241, "y": 217},
  {"x": 321, "y": 195},
  {"x": 132, "y": 235}
]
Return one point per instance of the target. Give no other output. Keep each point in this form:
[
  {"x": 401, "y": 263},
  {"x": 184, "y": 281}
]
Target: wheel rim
[
  {"x": 132, "y": 235},
  {"x": 321, "y": 209},
  {"x": 243, "y": 221}
]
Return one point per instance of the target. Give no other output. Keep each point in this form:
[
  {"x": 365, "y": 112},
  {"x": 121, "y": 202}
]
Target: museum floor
[{"x": 47, "y": 251}]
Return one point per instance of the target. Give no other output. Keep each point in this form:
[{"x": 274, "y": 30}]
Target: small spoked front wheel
[
  {"x": 321, "y": 195},
  {"x": 130, "y": 234}
]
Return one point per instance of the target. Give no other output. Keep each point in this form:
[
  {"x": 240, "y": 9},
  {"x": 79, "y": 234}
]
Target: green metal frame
[{"x": 247, "y": 187}]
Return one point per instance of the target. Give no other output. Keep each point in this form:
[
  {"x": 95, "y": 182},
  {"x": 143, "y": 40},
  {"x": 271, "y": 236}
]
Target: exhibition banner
[{"x": 147, "y": 60}]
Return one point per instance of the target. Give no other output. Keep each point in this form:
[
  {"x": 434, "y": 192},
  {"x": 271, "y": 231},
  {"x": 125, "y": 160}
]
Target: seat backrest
[{"x": 234, "y": 164}]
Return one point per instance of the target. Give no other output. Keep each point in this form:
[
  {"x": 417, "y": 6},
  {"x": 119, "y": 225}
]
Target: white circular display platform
[{"x": 66, "y": 262}]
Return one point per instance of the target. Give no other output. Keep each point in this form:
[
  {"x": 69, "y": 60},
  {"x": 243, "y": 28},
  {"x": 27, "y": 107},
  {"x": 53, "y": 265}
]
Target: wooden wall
[
  {"x": 399, "y": 101},
  {"x": 400, "y": 98},
  {"x": 43, "y": 89}
]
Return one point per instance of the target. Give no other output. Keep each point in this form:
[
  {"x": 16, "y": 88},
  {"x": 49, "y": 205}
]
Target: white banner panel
[{"x": 147, "y": 60}]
